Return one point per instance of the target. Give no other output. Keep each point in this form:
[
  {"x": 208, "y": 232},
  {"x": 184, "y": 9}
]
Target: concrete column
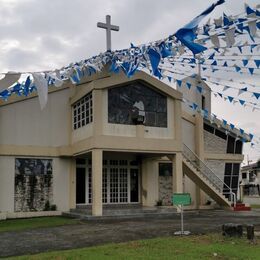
[
  {"x": 177, "y": 176},
  {"x": 97, "y": 112},
  {"x": 150, "y": 182},
  {"x": 177, "y": 124},
  {"x": 97, "y": 166},
  {"x": 72, "y": 183},
  {"x": 199, "y": 150}
]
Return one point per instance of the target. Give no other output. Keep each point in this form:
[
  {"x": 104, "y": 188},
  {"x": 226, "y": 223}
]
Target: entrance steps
[
  {"x": 241, "y": 207},
  {"x": 117, "y": 212}
]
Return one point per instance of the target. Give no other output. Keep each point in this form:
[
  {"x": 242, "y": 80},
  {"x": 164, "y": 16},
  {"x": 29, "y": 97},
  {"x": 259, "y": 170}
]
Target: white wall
[
  {"x": 61, "y": 179},
  {"x": 188, "y": 134},
  {"x": 23, "y": 123},
  {"x": 7, "y": 168},
  {"x": 150, "y": 182},
  {"x": 82, "y": 133}
]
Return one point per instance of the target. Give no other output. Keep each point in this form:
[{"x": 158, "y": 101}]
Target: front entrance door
[
  {"x": 134, "y": 186},
  {"x": 80, "y": 186},
  {"x": 120, "y": 182}
]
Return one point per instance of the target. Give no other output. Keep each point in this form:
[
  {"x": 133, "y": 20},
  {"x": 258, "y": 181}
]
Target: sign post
[{"x": 180, "y": 200}]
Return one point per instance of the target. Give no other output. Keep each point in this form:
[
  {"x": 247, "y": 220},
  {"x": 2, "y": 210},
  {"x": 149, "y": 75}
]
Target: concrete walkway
[{"x": 92, "y": 233}]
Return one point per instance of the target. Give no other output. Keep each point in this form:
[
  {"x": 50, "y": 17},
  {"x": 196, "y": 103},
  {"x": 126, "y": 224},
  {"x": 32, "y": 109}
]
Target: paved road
[{"x": 92, "y": 233}]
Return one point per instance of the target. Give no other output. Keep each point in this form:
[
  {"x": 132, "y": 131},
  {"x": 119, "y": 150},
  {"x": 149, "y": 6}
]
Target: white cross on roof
[{"x": 109, "y": 27}]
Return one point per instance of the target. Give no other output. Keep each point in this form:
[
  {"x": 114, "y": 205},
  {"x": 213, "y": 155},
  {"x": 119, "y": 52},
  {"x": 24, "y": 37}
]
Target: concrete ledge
[
  {"x": 255, "y": 200},
  {"x": 14, "y": 215},
  {"x": 2, "y": 216}
]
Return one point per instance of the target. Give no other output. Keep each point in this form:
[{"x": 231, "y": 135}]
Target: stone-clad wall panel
[
  {"x": 33, "y": 184},
  {"x": 214, "y": 144}
]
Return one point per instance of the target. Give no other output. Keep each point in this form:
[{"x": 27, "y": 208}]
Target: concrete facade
[{"x": 28, "y": 132}]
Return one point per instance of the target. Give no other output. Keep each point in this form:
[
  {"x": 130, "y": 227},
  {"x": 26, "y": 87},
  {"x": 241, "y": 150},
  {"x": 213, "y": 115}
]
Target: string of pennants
[
  {"x": 208, "y": 46},
  {"x": 185, "y": 41},
  {"x": 223, "y": 123},
  {"x": 199, "y": 88}
]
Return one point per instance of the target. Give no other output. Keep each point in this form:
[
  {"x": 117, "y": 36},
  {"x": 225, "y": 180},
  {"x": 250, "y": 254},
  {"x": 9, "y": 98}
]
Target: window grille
[{"x": 82, "y": 111}]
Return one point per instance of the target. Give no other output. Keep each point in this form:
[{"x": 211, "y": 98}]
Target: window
[
  {"x": 82, "y": 112},
  {"x": 230, "y": 144},
  {"x": 209, "y": 128},
  {"x": 220, "y": 134},
  {"x": 203, "y": 102},
  {"x": 165, "y": 169},
  {"x": 244, "y": 175},
  {"x": 137, "y": 103},
  {"x": 231, "y": 177},
  {"x": 239, "y": 146}
]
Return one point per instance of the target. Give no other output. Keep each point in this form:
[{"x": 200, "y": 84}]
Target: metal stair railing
[{"x": 207, "y": 173}]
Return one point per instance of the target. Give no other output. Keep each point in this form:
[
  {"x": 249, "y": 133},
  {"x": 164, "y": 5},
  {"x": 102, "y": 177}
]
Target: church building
[{"x": 114, "y": 140}]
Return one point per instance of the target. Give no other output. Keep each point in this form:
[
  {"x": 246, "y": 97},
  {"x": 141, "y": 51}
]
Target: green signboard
[{"x": 181, "y": 199}]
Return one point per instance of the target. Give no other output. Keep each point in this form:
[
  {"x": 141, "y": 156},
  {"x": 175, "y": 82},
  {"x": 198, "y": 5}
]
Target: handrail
[{"x": 208, "y": 173}]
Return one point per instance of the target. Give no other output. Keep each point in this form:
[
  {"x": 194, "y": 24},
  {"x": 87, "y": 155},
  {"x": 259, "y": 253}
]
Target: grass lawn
[
  {"x": 23, "y": 224},
  {"x": 193, "y": 247},
  {"x": 254, "y": 206}
]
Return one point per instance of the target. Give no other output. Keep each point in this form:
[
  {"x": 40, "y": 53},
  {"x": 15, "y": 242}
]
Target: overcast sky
[{"x": 49, "y": 34}]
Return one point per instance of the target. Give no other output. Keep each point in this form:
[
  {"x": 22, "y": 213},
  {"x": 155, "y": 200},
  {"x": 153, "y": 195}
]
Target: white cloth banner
[
  {"x": 230, "y": 37},
  {"x": 42, "y": 87},
  {"x": 215, "y": 40},
  {"x": 9, "y": 79}
]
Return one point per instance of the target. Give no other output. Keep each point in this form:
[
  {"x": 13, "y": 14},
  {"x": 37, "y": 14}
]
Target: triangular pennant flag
[
  {"x": 220, "y": 94},
  {"x": 241, "y": 131},
  {"x": 214, "y": 63},
  {"x": 251, "y": 70},
  {"x": 215, "y": 40},
  {"x": 194, "y": 106},
  {"x": 224, "y": 122},
  {"x": 257, "y": 63},
  {"x": 230, "y": 99},
  {"x": 251, "y": 137},
  {"x": 218, "y": 22},
  {"x": 226, "y": 20},
  {"x": 252, "y": 47},
  {"x": 237, "y": 68},
  {"x": 199, "y": 89},
  {"x": 211, "y": 56},
  {"x": 179, "y": 82},
  {"x": 226, "y": 88},
  {"x": 245, "y": 62},
  {"x": 9, "y": 79},
  {"x": 252, "y": 29},
  {"x": 232, "y": 126},
  {"x": 188, "y": 85},
  {"x": 27, "y": 86},
  {"x": 242, "y": 102},
  {"x": 249, "y": 10},
  {"x": 155, "y": 58},
  {"x": 225, "y": 64},
  {"x": 5, "y": 94},
  {"x": 230, "y": 37},
  {"x": 257, "y": 95},
  {"x": 169, "y": 78},
  {"x": 242, "y": 90},
  {"x": 240, "y": 48}
]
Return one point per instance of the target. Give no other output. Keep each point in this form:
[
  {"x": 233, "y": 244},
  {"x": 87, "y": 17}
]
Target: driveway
[{"x": 97, "y": 232}]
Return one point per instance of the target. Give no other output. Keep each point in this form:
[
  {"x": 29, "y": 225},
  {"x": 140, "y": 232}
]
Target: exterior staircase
[{"x": 206, "y": 179}]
